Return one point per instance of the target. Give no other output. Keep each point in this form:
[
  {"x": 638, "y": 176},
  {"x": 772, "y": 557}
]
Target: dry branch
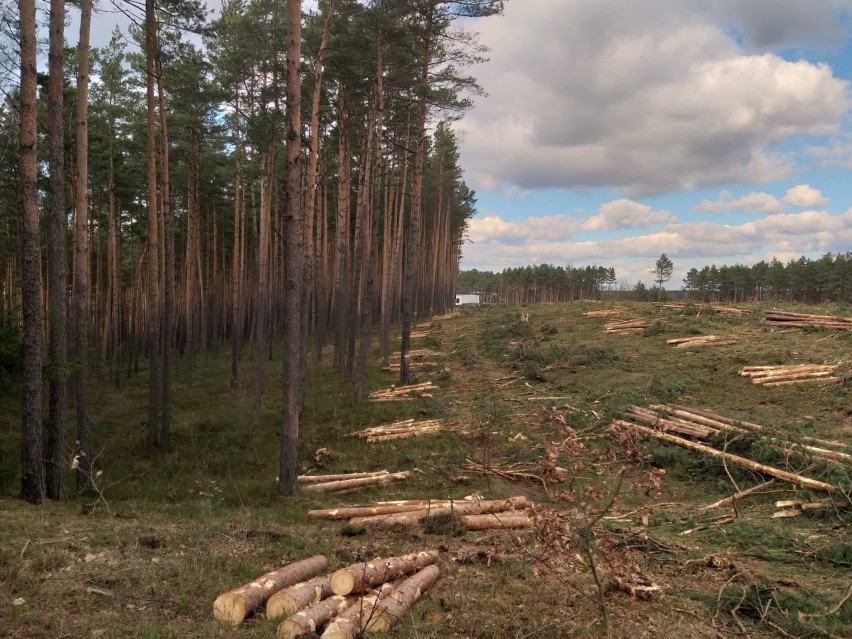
[
  {"x": 513, "y": 472},
  {"x": 737, "y": 496},
  {"x": 359, "y": 577},
  {"x": 233, "y": 606}
]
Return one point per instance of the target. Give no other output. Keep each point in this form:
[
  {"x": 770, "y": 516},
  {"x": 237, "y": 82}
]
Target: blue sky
[{"x": 717, "y": 131}]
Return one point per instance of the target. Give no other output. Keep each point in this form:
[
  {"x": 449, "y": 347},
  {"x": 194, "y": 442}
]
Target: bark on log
[
  {"x": 674, "y": 424},
  {"x": 390, "y": 608},
  {"x": 345, "y": 484},
  {"x": 318, "y": 479},
  {"x": 413, "y": 517},
  {"x": 799, "y": 480},
  {"x": 791, "y": 382},
  {"x": 721, "y": 418},
  {"x": 359, "y": 577},
  {"x": 309, "y": 620},
  {"x": 505, "y": 520},
  {"x": 292, "y": 599},
  {"x": 347, "y": 625},
  {"x": 378, "y": 508},
  {"x": 233, "y": 606}
]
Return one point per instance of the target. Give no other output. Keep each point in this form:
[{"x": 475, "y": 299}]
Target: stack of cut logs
[
  {"x": 785, "y": 375},
  {"x": 701, "y": 340},
  {"x": 348, "y": 481},
  {"x": 626, "y": 326},
  {"x": 661, "y": 421},
  {"x": 364, "y": 597},
  {"x": 402, "y": 393},
  {"x": 605, "y": 313},
  {"x": 788, "y": 319},
  {"x": 732, "y": 310},
  {"x": 416, "y": 360},
  {"x": 400, "y": 430},
  {"x": 474, "y": 514}
]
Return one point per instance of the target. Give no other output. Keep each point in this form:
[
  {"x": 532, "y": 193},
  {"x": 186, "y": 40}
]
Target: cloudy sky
[{"x": 716, "y": 131}]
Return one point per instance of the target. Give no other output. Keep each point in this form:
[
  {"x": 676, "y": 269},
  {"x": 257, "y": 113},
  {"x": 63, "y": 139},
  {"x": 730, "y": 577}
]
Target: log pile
[
  {"x": 661, "y": 422},
  {"x": 788, "y": 374},
  {"x": 730, "y": 310},
  {"x": 604, "y": 313},
  {"x": 701, "y": 340},
  {"x": 402, "y": 393},
  {"x": 375, "y": 593},
  {"x": 789, "y": 319},
  {"x": 347, "y": 482},
  {"x": 626, "y": 326},
  {"x": 474, "y": 514},
  {"x": 400, "y": 430}
]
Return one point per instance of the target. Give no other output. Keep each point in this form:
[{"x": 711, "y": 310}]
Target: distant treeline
[
  {"x": 827, "y": 279},
  {"x": 533, "y": 284},
  {"x": 805, "y": 280}
]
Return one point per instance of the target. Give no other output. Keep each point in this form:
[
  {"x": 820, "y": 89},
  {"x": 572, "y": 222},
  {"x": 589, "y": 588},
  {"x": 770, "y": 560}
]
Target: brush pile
[
  {"x": 661, "y": 421},
  {"x": 402, "y": 393},
  {"x": 400, "y": 430},
  {"x": 472, "y": 514},
  {"x": 701, "y": 340},
  {"x": 788, "y": 319},
  {"x": 626, "y": 326},
  {"x": 348, "y": 481},
  {"x": 788, "y": 374},
  {"x": 370, "y": 596}
]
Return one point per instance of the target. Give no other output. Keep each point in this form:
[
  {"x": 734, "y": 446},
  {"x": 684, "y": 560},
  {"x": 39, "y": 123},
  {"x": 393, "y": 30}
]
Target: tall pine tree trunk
[
  {"x": 32, "y": 466},
  {"x": 155, "y": 397},
  {"x": 295, "y": 251},
  {"x": 236, "y": 293},
  {"x": 81, "y": 253},
  {"x": 54, "y": 443},
  {"x": 168, "y": 263}
]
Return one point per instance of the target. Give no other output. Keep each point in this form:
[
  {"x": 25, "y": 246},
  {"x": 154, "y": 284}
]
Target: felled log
[
  {"x": 292, "y": 599},
  {"x": 359, "y": 577},
  {"x": 319, "y": 479},
  {"x": 412, "y": 518},
  {"x": 395, "y": 393},
  {"x": 390, "y": 608},
  {"x": 505, "y": 520},
  {"x": 701, "y": 412},
  {"x": 675, "y": 424},
  {"x": 309, "y": 620},
  {"x": 790, "y": 373},
  {"x": 799, "y": 480},
  {"x": 346, "y": 484},
  {"x": 604, "y": 313},
  {"x": 802, "y": 320},
  {"x": 235, "y": 605},
  {"x": 687, "y": 340},
  {"x": 400, "y": 430},
  {"x": 379, "y": 508},
  {"x": 625, "y": 326},
  {"x": 347, "y": 624}
]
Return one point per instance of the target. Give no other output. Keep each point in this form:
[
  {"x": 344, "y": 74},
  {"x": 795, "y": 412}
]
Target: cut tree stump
[
  {"x": 292, "y": 599},
  {"x": 359, "y": 577},
  {"x": 309, "y": 620},
  {"x": 390, "y": 608},
  {"x": 235, "y": 605}
]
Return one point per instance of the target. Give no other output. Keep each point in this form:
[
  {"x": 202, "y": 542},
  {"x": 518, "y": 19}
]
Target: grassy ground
[{"x": 178, "y": 527}]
